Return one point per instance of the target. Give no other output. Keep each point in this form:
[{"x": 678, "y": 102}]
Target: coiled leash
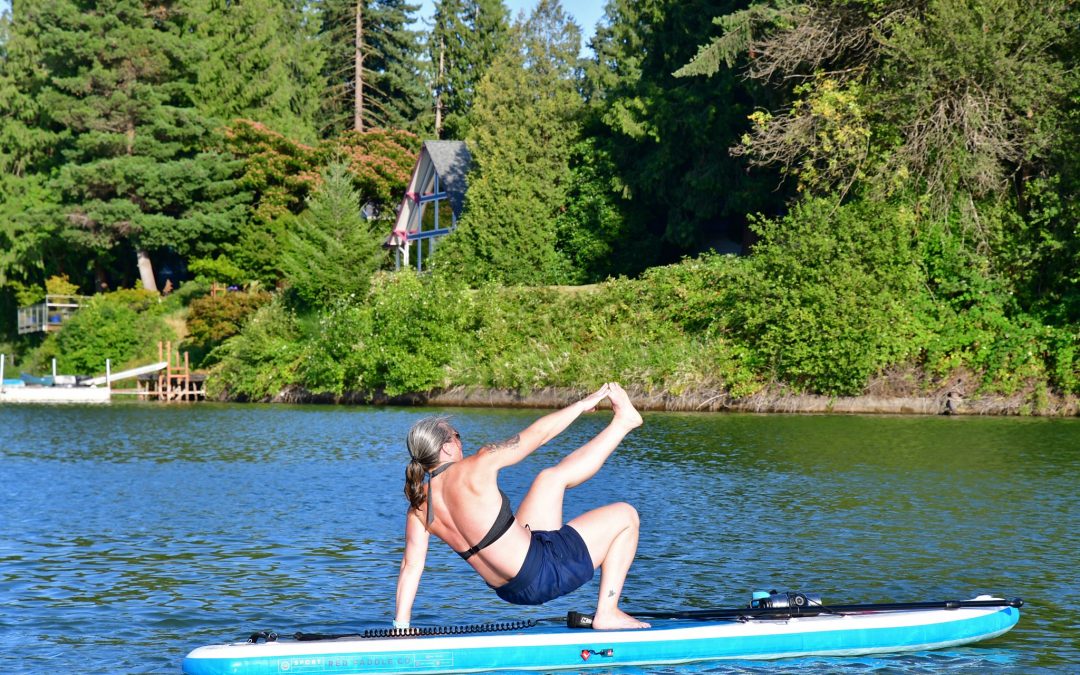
[{"x": 502, "y": 626}]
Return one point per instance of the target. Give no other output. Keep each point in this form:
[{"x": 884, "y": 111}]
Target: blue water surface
[{"x": 132, "y": 533}]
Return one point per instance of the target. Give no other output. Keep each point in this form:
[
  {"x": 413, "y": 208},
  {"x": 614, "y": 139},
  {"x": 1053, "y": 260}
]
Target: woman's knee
[
  {"x": 627, "y": 514},
  {"x": 550, "y": 478}
]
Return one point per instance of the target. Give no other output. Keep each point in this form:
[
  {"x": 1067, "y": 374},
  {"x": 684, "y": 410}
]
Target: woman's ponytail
[
  {"x": 414, "y": 484},
  {"x": 424, "y": 441}
]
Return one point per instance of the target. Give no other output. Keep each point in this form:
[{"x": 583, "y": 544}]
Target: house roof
[{"x": 452, "y": 161}]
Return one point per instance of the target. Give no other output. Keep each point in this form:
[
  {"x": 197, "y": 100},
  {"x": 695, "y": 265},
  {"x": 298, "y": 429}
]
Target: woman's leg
[
  {"x": 542, "y": 508},
  {"x": 611, "y": 535}
]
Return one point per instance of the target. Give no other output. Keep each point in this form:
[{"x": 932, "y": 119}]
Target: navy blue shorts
[{"x": 557, "y": 563}]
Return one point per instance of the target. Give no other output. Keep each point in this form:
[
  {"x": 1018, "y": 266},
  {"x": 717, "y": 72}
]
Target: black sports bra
[{"x": 502, "y": 522}]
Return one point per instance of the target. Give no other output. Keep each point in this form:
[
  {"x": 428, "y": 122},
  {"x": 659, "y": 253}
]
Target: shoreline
[{"x": 945, "y": 403}]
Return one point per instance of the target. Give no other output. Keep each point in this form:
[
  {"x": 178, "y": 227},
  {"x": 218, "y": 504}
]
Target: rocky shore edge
[{"x": 768, "y": 401}]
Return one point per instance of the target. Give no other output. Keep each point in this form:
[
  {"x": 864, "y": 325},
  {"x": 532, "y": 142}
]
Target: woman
[{"x": 529, "y": 557}]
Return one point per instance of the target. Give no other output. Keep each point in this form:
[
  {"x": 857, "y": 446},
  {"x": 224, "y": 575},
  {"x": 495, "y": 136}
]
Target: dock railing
[{"x": 49, "y": 315}]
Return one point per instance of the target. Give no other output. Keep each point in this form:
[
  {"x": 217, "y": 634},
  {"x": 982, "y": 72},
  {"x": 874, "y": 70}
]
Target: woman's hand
[{"x": 590, "y": 402}]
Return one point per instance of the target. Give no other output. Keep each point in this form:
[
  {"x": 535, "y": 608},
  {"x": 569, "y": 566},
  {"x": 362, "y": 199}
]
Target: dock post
[
  {"x": 169, "y": 371},
  {"x": 108, "y": 374},
  {"x": 54, "y": 370},
  {"x": 161, "y": 373},
  {"x": 3, "y": 357}
]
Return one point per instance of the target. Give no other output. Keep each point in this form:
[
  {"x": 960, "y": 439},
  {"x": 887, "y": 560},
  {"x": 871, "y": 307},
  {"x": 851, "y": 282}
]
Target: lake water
[{"x": 132, "y": 533}]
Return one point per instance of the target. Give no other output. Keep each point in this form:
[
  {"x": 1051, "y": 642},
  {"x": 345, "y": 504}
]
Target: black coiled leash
[{"x": 414, "y": 632}]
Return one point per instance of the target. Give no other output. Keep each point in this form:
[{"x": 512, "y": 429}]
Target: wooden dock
[{"x": 175, "y": 382}]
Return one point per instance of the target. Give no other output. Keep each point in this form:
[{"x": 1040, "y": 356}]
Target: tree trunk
[
  {"x": 439, "y": 89},
  {"x": 146, "y": 270},
  {"x": 358, "y": 58},
  {"x": 101, "y": 281}
]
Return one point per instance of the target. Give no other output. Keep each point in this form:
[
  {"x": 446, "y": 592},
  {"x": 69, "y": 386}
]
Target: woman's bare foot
[
  {"x": 625, "y": 412},
  {"x": 616, "y": 619}
]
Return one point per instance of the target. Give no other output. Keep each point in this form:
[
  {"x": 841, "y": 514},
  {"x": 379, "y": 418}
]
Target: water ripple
[{"x": 130, "y": 534}]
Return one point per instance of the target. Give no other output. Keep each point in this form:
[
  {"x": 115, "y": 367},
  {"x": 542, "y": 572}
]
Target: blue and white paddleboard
[{"x": 667, "y": 642}]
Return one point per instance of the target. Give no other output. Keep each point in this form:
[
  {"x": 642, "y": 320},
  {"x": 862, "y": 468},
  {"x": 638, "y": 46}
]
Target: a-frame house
[{"x": 438, "y": 180}]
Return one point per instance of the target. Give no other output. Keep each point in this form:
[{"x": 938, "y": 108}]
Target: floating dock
[
  {"x": 10, "y": 394},
  {"x": 164, "y": 380}
]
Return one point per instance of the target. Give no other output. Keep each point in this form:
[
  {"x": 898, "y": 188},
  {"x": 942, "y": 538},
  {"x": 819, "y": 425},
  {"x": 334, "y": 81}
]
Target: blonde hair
[{"x": 424, "y": 442}]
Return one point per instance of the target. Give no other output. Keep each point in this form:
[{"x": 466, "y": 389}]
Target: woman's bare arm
[
  {"x": 519, "y": 446},
  {"x": 412, "y": 567}
]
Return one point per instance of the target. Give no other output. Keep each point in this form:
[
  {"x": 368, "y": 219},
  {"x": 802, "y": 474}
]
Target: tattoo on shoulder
[{"x": 504, "y": 445}]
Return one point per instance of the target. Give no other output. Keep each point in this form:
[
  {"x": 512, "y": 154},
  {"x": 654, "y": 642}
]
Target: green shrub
[
  {"x": 332, "y": 360},
  {"x": 213, "y": 319},
  {"x": 123, "y": 326},
  {"x": 416, "y": 329},
  {"x": 60, "y": 285},
  {"x": 261, "y": 361},
  {"x": 827, "y": 300}
]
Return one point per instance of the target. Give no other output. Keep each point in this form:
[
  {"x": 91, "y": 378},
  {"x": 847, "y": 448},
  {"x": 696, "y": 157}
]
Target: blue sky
[{"x": 585, "y": 12}]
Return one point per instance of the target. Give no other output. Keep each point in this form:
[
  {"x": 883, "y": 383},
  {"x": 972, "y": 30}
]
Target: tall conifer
[
  {"x": 523, "y": 124},
  {"x": 263, "y": 62},
  {"x": 392, "y": 81},
  {"x": 466, "y": 38},
  {"x": 669, "y": 136},
  {"x": 27, "y": 225},
  {"x": 137, "y": 176}
]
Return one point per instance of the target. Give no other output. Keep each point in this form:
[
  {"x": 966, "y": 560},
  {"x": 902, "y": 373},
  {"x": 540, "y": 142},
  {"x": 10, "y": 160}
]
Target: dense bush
[
  {"x": 123, "y": 326},
  {"x": 262, "y": 361},
  {"x": 212, "y": 319},
  {"x": 833, "y": 295},
  {"x": 829, "y": 295}
]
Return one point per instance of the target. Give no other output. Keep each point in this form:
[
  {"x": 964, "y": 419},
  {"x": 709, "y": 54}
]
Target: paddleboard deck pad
[{"x": 759, "y": 634}]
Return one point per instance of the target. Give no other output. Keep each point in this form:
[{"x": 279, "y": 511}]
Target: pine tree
[
  {"x": 373, "y": 69},
  {"x": 466, "y": 38},
  {"x": 332, "y": 251},
  {"x": 27, "y": 204},
  {"x": 668, "y": 135},
  {"x": 264, "y": 62},
  {"x": 524, "y": 122},
  {"x": 137, "y": 175}
]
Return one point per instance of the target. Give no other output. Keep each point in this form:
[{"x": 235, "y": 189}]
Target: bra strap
[
  {"x": 502, "y": 524},
  {"x": 427, "y": 479}
]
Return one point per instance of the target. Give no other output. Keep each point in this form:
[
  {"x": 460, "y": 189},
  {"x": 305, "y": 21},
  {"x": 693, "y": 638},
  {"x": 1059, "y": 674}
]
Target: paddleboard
[{"x": 670, "y": 641}]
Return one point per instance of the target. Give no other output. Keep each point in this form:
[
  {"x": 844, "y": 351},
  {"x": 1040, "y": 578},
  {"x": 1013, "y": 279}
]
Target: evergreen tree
[
  {"x": 264, "y": 62},
  {"x": 332, "y": 251},
  {"x": 27, "y": 204},
  {"x": 466, "y": 38},
  {"x": 669, "y": 136},
  {"x": 373, "y": 69},
  {"x": 137, "y": 176},
  {"x": 524, "y": 122}
]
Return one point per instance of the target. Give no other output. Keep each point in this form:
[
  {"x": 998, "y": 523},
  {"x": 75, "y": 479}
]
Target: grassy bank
[{"x": 837, "y": 309}]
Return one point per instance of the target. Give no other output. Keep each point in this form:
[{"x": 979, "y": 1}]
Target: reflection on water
[{"x": 130, "y": 534}]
